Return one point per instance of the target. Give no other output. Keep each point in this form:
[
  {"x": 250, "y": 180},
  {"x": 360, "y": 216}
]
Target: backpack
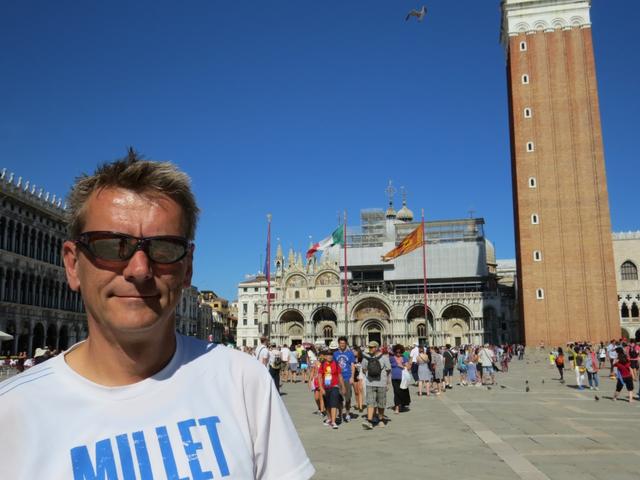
[
  {"x": 560, "y": 360},
  {"x": 277, "y": 363},
  {"x": 303, "y": 357},
  {"x": 374, "y": 367}
]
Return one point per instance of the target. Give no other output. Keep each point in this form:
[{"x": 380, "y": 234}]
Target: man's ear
[
  {"x": 189, "y": 264},
  {"x": 70, "y": 258}
]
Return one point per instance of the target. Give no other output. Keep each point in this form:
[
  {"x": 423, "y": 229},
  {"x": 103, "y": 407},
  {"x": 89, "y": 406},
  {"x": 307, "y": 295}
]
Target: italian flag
[{"x": 336, "y": 238}]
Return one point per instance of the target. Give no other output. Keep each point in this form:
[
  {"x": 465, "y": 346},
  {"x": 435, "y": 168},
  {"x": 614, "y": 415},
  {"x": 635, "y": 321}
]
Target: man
[
  {"x": 449, "y": 362},
  {"x": 486, "y": 359},
  {"x": 376, "y": 368},
  {"x": 346, "y": 360},
  {"x": 136, "y": 399},
  {"x": 331, "y": 386},
  {"x": 262, "y": 353},
  {"x": 275, "y": 365},
  {"x": 413, "y": 354},
  {"x": 284, "y": 352}
]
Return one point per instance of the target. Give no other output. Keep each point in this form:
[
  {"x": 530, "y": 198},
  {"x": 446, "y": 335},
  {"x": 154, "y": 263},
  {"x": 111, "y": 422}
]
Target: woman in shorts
[
  {"x": 437, "y": 363},
  {"x": 313, "y": 384},
  {"x": 424, "y": 372},
  {"x": 293, "y": 364},
  {"x": 622, "y": 369},
  {"x": 462, "y": 366},
  {"x": 358, "y": 380}
]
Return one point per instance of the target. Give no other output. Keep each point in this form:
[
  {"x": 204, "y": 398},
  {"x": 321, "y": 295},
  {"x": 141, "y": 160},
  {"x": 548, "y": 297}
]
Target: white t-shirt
[
  {"x": 485, "y": 357},
  {"x": 293, "y": 357},
  {"x": 415, "y": 351},
  {"x": 285, "y": 354},
  {"x": 262, "y": 353},
  {"x": 210, "y": 413}
]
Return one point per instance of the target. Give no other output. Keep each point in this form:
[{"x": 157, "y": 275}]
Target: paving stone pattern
[{"x": 552, "y": 432}]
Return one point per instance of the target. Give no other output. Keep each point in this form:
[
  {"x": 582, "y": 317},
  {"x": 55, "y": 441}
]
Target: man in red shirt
[{"x": 331, "y": 386}]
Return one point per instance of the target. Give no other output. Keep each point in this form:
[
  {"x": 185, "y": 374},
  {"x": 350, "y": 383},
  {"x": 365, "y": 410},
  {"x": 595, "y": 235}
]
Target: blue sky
[{"x": 301, "y": 109}]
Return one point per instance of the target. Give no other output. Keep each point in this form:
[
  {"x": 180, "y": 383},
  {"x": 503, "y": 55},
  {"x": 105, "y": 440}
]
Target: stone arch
[
  {"x": 457, "y": 319},
  {"x": 522, "y": 27},
  {"x": 52, "y": 336},
  {"x": 490, "y": 324},
  {"x": 540, "y": 25},
  {"x": 7, "y": 346},
  {"x": 414, "y": 316},
  {"x": 559, "y": 22},
  {"x": 24, "y": 333},
  {"x": 625, "y": 333},
  {"x": 371, "y": 306},
  {"x": 325, "y": 278},
  {"x": 63, "y": 342},
  {"x": 624, "y": 310},
  {"x": 38, "y": 336},
  {"x": 635, "y": 312},
  {"x": 577, "y": 21},
  {"x": 322, "y": 318},
  {"x": 371, "y": 317}
]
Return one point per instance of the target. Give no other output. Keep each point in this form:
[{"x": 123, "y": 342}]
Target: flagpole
[
  {"x": 424, "y": 275},
  {"x": 346, "y": 280},
  {"x": 268, "y": 274}
]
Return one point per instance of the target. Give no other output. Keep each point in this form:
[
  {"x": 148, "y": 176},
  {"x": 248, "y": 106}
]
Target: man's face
[
  {"x": 136, "y": 296},
  {"x": 342, "y": 344}
]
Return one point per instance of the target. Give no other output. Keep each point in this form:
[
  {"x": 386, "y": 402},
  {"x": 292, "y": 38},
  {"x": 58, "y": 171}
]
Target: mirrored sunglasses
[{"x": 119, "y": 247}]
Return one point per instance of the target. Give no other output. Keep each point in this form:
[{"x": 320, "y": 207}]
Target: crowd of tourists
[
  {"x": 344, "y": 379},
  {"x": 587, "y": 360}
]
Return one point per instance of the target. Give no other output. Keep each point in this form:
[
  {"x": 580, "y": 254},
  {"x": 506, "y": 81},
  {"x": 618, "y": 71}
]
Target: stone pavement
[{"x": 552, "y": 432}]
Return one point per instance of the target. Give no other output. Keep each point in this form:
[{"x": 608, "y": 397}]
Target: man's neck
[{"x": 113, "y": 361}]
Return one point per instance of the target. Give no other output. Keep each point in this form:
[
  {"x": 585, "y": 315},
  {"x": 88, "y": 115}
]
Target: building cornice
[
  {"x": 626, "y": 235},
  {"x": 530, "y": 16}
]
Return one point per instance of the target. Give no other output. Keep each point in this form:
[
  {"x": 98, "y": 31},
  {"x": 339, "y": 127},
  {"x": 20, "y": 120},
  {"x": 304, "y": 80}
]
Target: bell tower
[{"x": 564, "y": 250}]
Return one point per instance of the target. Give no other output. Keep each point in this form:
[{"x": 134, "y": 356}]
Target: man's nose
[{"x": 138, "y": 268}]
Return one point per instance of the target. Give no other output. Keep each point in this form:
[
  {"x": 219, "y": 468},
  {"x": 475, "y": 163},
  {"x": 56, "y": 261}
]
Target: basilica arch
[
  {"x": 457, "y": 324},
  {"x": 325, "y": 324},
  {"x": 416, "y": 325},
  {"x": 371, "y": 321},
  {"x": 290, "y": 327}
]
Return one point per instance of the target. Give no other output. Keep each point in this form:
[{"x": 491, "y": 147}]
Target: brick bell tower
[{"x": 566, "y": 274}]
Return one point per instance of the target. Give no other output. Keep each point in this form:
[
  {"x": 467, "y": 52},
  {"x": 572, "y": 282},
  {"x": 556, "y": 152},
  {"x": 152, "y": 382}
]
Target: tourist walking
[
  {"x": 331, "y": 386},
  {"x": 622, "y": 369},
  {"x": 486, "y": 359},
  {"x": 579, "y": 367},
  {"x": 560, "y": 363},
  {"x": 376, "y": 368},
  {"x": 424, "y": 372},
  {"x": 401, "y": 397},
  {"x": 437, "y": 365},
  {"x": 592, "y": 366},
  {"x": 346, "y": 361},
  {"x": 449, "y": 362},
  {"x": 461, "y": 364},
  {"x": 602, "y": 356}
]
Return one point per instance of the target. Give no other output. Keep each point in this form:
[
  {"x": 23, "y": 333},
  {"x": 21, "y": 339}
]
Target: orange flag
[{"x": 410, "y": 243}]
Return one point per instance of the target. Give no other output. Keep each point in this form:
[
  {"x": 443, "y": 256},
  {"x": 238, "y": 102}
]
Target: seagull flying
[{"x": 419, "y": 14}]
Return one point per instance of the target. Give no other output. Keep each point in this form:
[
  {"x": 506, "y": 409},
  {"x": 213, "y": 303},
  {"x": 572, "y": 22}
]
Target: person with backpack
[
  {"x": 560, "y": 363},
  {"x": 331, "y": 386},
  {"x": 376, "y": 368},
  {"x": 275, "y": 364}
]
